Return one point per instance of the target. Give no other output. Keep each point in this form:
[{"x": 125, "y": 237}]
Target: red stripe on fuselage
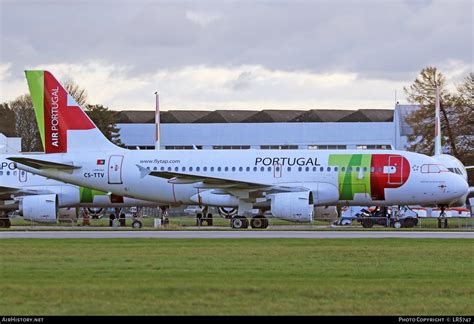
[{"x": 379, "y": 181}]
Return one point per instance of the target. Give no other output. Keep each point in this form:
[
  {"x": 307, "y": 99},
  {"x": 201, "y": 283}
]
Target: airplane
[
  {"x": 42, "y": 200},
  {"x": 289, "y": 183}
]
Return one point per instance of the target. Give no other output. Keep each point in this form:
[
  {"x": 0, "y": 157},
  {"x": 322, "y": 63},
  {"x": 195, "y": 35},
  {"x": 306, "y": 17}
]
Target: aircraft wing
[
  {"x": 8, "y": 192},
  {"x": 207, "y": 182},
  {"x": 41, "y": 164}
]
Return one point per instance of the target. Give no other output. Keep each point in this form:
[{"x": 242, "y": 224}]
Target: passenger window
[
  {"x": 162, "y": 168},
  {"x": 335, "y": 168},
  {"x": 262, "y": 169},
  {"x": 255, "y": 169},
  {"x": 204, "y": 169},
  {"x": 300, "y": 168},
  {"x": 379, "y": 169},
  {"x": 289, "y": 169},
  {"x": 183, "y": 168},
  {"x": 329, "y": 169},
  {"x": 176, "y": 169},
  {"x": 343, "y": 169},
  {"x": 212, "y": 169},
  {"x": 247, "y": 169},
  {"x": 169, "y": 168},
  {"x": 365, "y": 169},
  {"x": 350, "y": 169},
  {"x": 233, "y": 169},
  {"x": 154, "y": 169},
  {"x": 198, "y": 168},
  {"x": 1, "y": 173},
  {"x": 226, "y": 169},
  {"x": 372, "y": 169},
  {"x": 307, "y": 169},
  {"x": 358, "y": 169},
  {"x": 315, "y": 169},
  {"x": 269, "y": 168},
  {"x": 321, "y": 169},
  {"x": 190, "y": 168},
  {"x": 277, "y": 169},
  {"x": 219, "y": 169}
]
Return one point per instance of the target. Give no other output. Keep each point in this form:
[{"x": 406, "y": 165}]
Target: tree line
[{"x": 456, "y": 115}]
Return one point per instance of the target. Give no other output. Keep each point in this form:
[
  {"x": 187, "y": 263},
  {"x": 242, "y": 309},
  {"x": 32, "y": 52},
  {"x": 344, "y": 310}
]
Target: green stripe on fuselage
[
  {"x": 350, "y": 180},
  {"x": 87, "y": 194}
]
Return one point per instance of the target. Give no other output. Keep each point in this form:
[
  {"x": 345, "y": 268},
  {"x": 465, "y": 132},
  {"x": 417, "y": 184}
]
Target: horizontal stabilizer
[{"x": 41, "y": 164}]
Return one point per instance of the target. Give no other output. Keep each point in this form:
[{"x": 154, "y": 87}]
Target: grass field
[{"x": 242, "y": 276}]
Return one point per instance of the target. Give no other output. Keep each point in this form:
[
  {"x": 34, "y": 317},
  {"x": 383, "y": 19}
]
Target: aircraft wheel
[
  {"x": 137, "y": 224},
  {"x": 258, "y": 222},
  {"x": 236, "y": 222},
  {"x": 239, "y": 222}
]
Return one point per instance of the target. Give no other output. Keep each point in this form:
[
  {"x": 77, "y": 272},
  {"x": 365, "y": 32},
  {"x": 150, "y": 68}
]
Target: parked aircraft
[
  {"x": 41, "y": 200},
  {"x": 288, "y": 182}
]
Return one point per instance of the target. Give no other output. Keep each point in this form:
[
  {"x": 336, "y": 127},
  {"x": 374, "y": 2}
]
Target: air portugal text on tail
[{"x": 59, "y": 117}]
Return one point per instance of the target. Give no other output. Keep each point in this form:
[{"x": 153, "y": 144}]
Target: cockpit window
[
  {"x": 455, "y": 170},
  {"x": 433, "y": 168}
]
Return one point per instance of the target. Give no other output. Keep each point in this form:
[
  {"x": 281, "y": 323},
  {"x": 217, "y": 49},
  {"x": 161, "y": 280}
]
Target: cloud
[
  {"x": 209, "y": 55},
  {"x": 203, "y": 19}
]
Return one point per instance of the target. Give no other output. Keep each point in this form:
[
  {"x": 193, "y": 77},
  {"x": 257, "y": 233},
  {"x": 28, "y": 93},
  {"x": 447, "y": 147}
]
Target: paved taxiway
[{"x": 233, "y": 234}]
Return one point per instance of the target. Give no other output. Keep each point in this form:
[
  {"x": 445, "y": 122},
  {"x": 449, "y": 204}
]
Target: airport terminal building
[{"x": 268, "y": 129}]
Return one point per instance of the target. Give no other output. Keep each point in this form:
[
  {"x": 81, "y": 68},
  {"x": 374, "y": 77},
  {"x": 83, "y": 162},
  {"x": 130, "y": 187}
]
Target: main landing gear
[{"x": 258, "y": 221}]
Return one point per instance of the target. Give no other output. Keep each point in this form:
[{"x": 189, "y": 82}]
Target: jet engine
[
  {"x": 293, "y": 206},
  {"x": 40, "y": 208}
]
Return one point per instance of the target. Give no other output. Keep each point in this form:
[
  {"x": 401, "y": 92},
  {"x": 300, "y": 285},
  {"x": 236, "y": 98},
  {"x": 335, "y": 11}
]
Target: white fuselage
[
  {"x": 369, "y": 177},
  {"x": 69, "y": 195}
]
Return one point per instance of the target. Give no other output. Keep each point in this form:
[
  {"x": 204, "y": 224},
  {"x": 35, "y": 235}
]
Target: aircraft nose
[{"x": 458, "y": 186}]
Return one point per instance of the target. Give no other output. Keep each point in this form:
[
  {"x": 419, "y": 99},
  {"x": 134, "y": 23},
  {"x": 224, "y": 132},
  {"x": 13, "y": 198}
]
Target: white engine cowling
[
  {"x": 293, "y": 206},
  {"x": 40, "y": 208},
  {"x": 209, "y": 198}
]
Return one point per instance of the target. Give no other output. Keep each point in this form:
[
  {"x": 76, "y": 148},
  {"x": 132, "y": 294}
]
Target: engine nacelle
[
  {"x": 293, "y": 206},
  {"x": 40, "y": 208},
  {"x": 209, "y": 198}
]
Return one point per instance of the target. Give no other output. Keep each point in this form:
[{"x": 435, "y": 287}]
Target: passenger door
[{"x": 115, "y": 169}]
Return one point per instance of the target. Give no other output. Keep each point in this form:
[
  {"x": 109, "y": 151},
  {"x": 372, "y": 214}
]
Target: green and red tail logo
[{"x": 56, "y": 111}]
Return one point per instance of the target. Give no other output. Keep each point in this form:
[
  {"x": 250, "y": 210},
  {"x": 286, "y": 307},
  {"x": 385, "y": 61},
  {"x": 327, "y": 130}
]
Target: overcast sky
[{"x": 236, "y": 54}]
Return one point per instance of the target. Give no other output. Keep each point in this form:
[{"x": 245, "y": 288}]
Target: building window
[
  {"x": 327, "y": 147},
  {"x": 374, "y": 147},
  {"x": 279, "y": 147},
  {"x": 177, "y": 147}
]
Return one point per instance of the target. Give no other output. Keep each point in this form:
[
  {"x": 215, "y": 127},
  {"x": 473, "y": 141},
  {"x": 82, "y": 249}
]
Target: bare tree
[
  {"x": 7, "y": 120},
  {"x": 422, "y": 92},
  {"x": 79, "y": 94},
  {"x": 25, "y": 124}
]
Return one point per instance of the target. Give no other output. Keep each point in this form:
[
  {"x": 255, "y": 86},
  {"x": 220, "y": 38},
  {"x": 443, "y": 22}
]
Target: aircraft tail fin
[
  {"x": 63, "y": 124},
  {"x": 437, "y": 144}
]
